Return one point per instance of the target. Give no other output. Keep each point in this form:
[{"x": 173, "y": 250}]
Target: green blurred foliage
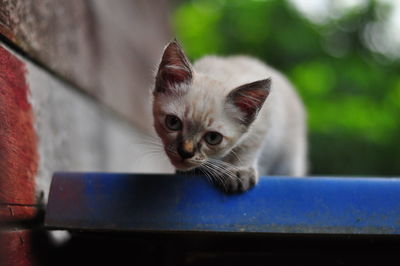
[{"x": 352, "y": 94}]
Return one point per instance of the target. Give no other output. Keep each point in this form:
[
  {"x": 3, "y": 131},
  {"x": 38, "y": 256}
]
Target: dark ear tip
[
  {"x": 173, "y": 45},
  {"x": 174, "y": 41},
  {"x": 266, "y": 83}
]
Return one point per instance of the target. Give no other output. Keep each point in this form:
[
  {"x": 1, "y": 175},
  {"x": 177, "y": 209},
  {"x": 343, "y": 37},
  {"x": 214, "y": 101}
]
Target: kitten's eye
[
  {"x": 173, "y": 122},
  {"x": 213, "y": 138}
]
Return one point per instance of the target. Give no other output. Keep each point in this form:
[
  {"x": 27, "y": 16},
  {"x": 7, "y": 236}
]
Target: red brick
[
  {"x": 16, "y": 248},
  {"x": 12, "y": 213},
  {"x": 18, "y": 145}
]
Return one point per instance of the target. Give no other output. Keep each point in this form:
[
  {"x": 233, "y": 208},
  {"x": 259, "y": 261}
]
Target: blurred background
[{"x": 343, "y": 57}]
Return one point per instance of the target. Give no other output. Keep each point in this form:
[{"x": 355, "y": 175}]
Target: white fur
[{"x": 280, "y": 126}]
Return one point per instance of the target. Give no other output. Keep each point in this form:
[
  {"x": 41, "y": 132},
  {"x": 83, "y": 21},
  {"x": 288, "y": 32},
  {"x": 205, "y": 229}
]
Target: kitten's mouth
[{"x": 182, "y": 165}]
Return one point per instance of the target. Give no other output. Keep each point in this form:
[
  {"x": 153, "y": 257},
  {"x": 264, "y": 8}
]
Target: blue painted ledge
[{"x": 141, "y": 202}]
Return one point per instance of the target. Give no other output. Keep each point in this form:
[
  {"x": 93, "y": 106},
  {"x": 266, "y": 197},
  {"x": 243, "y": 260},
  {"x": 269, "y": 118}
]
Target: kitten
[{"x": 234, "y": 117}]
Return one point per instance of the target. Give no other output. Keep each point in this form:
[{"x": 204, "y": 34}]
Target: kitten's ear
[
  {"x": 174, "y": 68},
  {"x": 249, "y": 99}
]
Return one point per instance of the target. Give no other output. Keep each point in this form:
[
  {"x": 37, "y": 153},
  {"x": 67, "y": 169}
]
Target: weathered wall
[
  {"x": 45, "y": 126},
  {"x": 107, "y": 48},
  {"x": 75, "y": 133},
  {"x": 74, "y": 96}
]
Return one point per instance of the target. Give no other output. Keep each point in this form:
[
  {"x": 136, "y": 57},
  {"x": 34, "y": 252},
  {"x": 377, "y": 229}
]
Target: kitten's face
[
  {"x": 196, "y": 117},
  {"x": 195, "y": 126}
]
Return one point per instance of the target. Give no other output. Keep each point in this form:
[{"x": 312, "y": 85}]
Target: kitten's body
[
  {"x": 276, "y": 141},
  {"x": 262, "y": 125}
]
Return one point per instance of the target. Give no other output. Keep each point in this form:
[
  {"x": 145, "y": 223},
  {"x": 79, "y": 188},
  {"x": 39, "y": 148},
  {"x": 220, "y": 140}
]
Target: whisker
[
  {"x": 220, "y": 173},
  {"x": 206, "y": 173},
  {"x": 226, "y": 173},
  {"x": 214, "y": 175},
  {"x": 224, "y": 164}
]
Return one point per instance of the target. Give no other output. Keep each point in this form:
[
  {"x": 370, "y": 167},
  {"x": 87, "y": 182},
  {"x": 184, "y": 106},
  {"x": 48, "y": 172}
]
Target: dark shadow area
[{"x": 215, "y": 249}]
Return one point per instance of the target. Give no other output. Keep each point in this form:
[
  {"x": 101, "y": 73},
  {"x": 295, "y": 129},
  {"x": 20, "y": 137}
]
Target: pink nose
[{"x": 186, "y": 149}]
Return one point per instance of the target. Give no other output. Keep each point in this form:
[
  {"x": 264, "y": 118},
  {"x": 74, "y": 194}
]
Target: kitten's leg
[{"x": 239, "y": 171}]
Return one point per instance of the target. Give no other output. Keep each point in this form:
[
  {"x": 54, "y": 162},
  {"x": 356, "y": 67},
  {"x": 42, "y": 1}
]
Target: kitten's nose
[{"x": 186, "y": 149}]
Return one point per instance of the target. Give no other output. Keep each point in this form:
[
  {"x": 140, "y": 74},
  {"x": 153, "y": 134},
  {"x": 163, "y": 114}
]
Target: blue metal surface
[{"x": 140, "y": 202}]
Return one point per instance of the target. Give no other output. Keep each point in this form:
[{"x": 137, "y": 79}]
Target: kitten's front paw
[{"x": 239, "y": 179}]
